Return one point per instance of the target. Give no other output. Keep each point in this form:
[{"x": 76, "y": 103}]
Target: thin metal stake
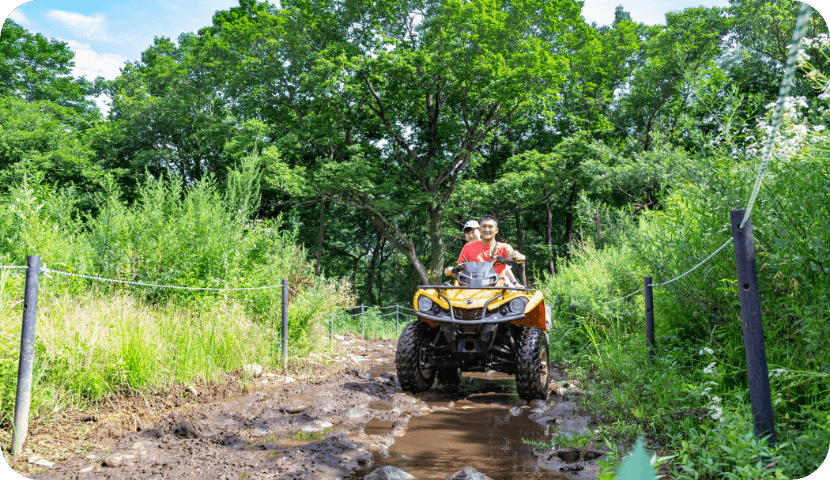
[
  {"x": 284, "y": 323},
  {"x": 756, "y": 355},
  {"x": 362, "y": 322},
  {"x": 649, "y": 300},
  {"x": 27, "y": 353},
  {"x": 396, "y": 318},
  {"x": 331, "y": 329}
]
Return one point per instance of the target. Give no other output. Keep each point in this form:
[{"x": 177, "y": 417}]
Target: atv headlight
[
  {"x": 517, "y": 305},
  {"x": 424, "y": 303}
]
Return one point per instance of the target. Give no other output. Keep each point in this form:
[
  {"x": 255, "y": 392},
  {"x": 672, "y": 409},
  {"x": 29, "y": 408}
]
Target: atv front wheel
[
  {"x": 532, "y": 370},
  {"x": 414, "y": 373}
]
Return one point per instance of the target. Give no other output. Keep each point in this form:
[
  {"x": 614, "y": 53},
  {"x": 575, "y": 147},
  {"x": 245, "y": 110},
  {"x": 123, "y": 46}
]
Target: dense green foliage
[
  {"x": 358, "y": 135},
  {"x": 695, "y": 399},
  {"x": 96, "y": 338}
]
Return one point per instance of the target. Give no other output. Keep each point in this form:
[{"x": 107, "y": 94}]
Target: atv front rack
[
  {"x": 452, "y": 318},
  {"x": 467, "y": 287}
]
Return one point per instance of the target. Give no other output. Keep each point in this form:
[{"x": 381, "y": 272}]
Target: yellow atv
[{"x": 474, "y": 324}]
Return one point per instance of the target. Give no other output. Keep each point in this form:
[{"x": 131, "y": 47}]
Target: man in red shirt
[{"x": 488, "y": 248}]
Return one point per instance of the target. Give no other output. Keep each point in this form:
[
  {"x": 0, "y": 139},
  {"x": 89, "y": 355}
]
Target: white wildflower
[
  {"x": 710, "y": 369},
  {"x": 707, "y": 349},
  {"x": 818, "y": 128}
]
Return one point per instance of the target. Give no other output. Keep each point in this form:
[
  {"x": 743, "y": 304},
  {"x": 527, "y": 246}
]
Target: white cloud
[
  {"x": 91, "y": 64},
  {"x": 18, "y": 17},
  {"x": 92, "y": 27}
]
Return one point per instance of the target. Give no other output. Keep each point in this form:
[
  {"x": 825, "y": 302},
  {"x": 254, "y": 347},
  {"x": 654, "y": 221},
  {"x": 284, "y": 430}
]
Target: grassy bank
[
  {"x": 95, "y": 338},
  {"x": 693, "y": 403}
]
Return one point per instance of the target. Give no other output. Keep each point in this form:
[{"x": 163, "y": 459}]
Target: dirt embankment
[{"x": 351, "y": 421}]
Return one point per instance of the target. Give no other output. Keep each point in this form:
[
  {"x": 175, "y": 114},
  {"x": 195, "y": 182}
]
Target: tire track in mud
[{"x": 348, "y": 426}]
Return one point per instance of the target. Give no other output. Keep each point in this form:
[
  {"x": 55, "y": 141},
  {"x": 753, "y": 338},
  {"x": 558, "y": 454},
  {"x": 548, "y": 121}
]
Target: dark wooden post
[
  {"x": 756, "y": 355},
  {"x": 284, "y": 323},
  {"x": 647, "y": 294},
  {"x": 362, "y": 321},
  {"x": 23, "y": 400}
]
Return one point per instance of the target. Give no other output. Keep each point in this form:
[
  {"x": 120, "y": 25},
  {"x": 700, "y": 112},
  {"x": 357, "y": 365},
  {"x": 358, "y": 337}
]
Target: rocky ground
[{"x": 346, "y": 422}]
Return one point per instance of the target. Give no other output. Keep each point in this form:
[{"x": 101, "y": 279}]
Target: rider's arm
[
  {"x": 513, "y": 253},
  {"x": 508, "y": 272}
]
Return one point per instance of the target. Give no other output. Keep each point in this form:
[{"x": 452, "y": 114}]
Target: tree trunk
[
  {"x": 520, "y": 241},
  {"x": 436, "y": 264},
  {"x": 569, "y": 219},
  {"x": 549, "y": 238},
  {"x": 370, "y": 274},
  {"x": 379, "y": 276},
  {"x": 317, "y": 264}
]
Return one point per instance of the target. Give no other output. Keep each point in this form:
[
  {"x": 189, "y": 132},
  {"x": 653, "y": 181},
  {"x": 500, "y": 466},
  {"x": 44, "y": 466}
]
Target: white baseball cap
[{"x": 470, "y": 224}]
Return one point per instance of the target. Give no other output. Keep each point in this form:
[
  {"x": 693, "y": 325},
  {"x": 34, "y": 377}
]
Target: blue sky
[{"x": 106, "y": 33}]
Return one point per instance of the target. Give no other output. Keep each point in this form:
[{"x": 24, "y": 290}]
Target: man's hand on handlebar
[{"x": 453, "y": 271}]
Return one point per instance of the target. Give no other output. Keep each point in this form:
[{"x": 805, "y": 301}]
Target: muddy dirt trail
[{"x": 354, "y": 424}]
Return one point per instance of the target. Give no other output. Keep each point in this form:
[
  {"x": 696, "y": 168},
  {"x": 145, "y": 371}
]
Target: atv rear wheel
[
  {"x": 414, "y": 373},
  {"x": 449, "y": 376},
  {"x": 532, "y": 370}
]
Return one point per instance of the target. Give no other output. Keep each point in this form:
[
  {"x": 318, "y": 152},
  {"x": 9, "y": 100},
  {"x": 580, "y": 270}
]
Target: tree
[
  {"x": 37, "y": 139},
  {"x": 35, "y": 68},
  {"x": 657, "y": 95}
]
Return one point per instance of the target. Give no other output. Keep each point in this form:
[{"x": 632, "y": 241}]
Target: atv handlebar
[
  {"x": 498, "y": 261},
  {"x": 467, "y": 287}
]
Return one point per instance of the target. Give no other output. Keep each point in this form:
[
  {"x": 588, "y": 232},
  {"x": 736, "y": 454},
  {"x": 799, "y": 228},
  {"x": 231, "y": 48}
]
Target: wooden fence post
[
  {"x": 649, "y": 301},
  {"x": 284, "y": 323},
  {"x": 756, "y": 355},
  {"x": 23, "y": 400}
]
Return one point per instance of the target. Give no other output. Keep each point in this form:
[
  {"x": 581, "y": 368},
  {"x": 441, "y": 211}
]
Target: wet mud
[{"x": 347, "y": 426}]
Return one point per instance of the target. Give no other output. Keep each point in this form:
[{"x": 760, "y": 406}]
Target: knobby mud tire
[
  {"x": 449, "y": 376},
  {"x": 531, "y": 381},
  {"x": 408, "y": 356}
]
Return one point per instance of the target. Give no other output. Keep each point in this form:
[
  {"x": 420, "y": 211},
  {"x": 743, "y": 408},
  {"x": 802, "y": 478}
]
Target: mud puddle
[
  {"x": 345, "y": 426},
  {"x": 472, "y": 425}
]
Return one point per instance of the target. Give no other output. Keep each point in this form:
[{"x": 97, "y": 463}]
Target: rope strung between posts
[
  {"x": 786, "y": 83},
  {"x": 11, "y": 267},
  {"x": 696, "y": 266},
  {"x": 300, "y": 296},
  {"x": 623, "y": 298},
  {"x": 675, "y": 278},
  {"x": 47, "y": 271}
]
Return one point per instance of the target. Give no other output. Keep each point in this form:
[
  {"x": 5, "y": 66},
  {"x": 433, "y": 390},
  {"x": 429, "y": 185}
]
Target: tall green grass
[
  {"x": 692, "y": 402},
  {"x": 96, "y": 338}
]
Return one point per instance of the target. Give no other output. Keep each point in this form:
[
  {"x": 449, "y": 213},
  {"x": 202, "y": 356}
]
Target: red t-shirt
[{"x": 476, "y": 252}]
